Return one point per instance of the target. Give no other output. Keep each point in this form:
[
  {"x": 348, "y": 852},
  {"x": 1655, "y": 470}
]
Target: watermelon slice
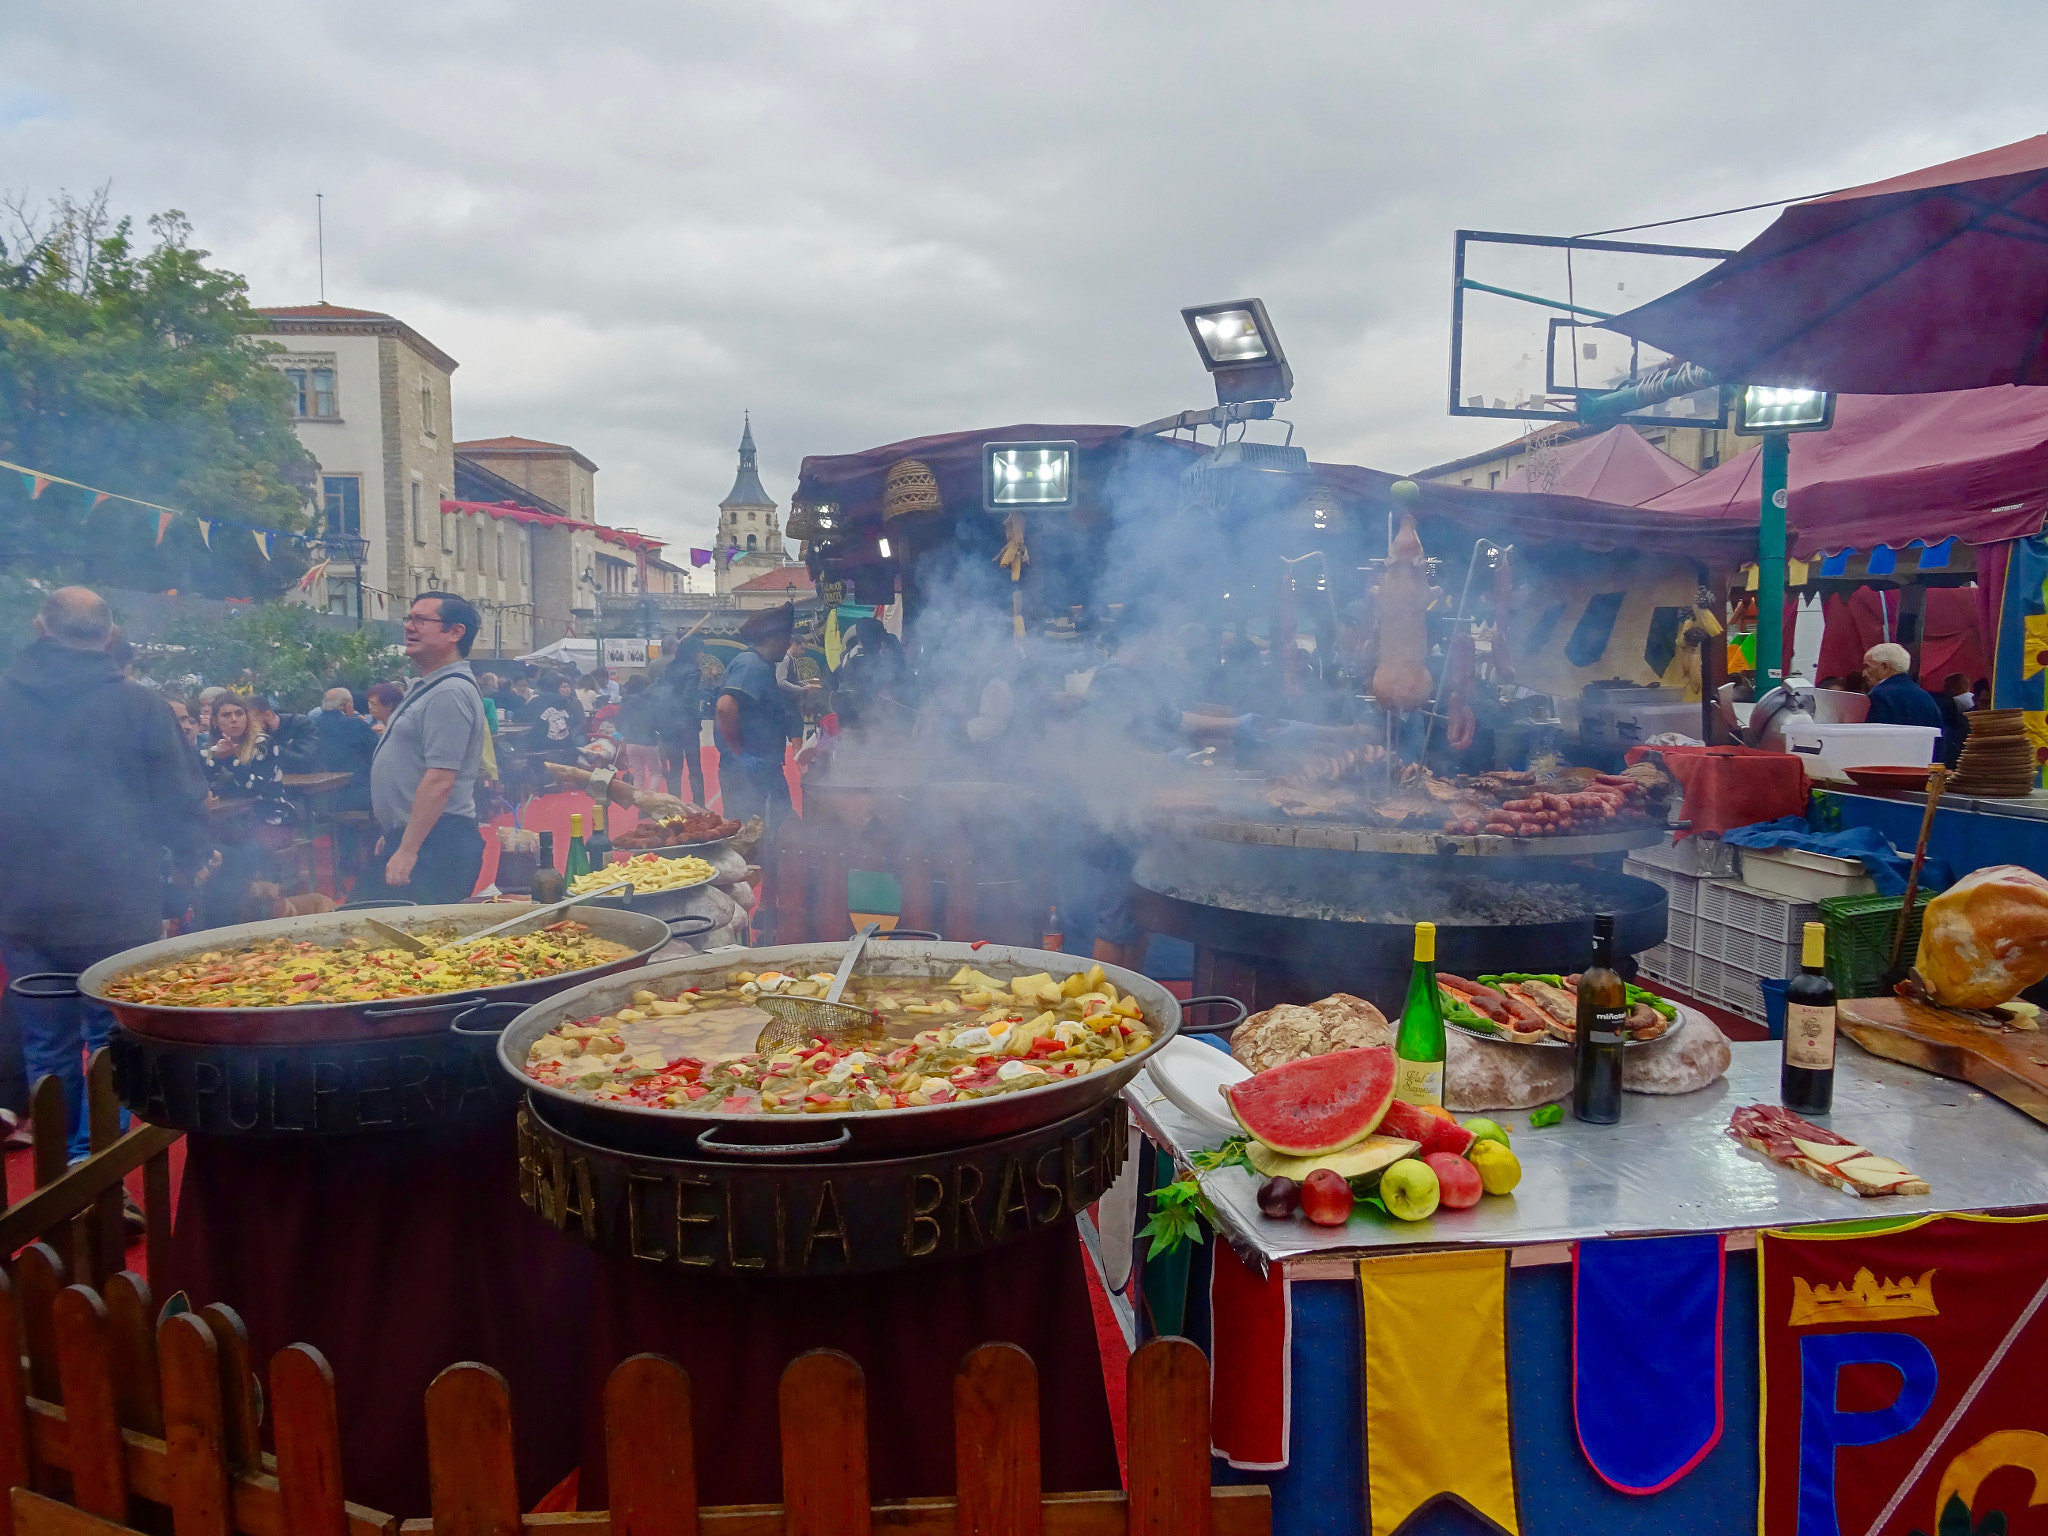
[
  {"x": 1317, "y": 1104},
  {"x": 1432, "y": 1132}
]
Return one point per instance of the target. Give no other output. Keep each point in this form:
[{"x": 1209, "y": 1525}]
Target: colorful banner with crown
[{"x": 1901, "y": 1379}]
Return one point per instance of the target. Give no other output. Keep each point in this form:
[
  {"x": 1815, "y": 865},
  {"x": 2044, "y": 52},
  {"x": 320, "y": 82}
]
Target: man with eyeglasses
[{"x": 423, "y": 777}]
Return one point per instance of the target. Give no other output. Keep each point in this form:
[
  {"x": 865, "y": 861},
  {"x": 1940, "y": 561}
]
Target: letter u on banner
[{"x": 1436, "y": 1386}]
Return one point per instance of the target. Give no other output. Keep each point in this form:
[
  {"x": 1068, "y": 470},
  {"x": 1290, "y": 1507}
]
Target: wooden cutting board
[{"x": 2012, "y": 1063}]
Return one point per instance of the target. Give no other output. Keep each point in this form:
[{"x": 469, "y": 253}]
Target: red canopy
[
  {"x": 1936, "y": 280},
  {"x": 1618, "y": 467},
  {"x": 1895, "y": 468}
]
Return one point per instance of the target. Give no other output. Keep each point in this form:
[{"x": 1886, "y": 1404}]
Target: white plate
[{"x": 1191, "y": 1075}]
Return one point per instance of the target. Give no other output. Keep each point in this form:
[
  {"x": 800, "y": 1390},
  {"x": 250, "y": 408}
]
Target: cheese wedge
[
  {"x": 1827, "y": 1154},
  {"x": 1873, "y": 1170}
]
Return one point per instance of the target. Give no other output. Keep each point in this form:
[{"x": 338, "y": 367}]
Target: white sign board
[{"x": 625, "y": 653}]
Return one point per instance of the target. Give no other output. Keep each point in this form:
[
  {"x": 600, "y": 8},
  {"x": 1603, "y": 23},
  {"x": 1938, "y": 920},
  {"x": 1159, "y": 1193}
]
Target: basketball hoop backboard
[{"x": 1527, "y": 333}]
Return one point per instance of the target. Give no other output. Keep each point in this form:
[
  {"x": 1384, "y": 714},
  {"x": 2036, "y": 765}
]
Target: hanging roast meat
[
  {"x": 1461, "y": 679},
  {"x": 1401, "y": 681}
]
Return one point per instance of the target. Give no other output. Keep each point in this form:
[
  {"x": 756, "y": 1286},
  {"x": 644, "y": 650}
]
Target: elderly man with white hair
[{"x": 1895, "y": 699}]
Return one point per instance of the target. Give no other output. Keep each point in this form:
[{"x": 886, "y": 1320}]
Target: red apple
[
  {"x": 1326, "y": 1198},
  {"x": 1458, "y": 1180}
]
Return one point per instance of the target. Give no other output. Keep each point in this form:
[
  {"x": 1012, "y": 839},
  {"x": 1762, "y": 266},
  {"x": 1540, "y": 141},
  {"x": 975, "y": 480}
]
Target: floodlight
[
  {"x": 1015, "y": 476},
  {"x": 1241, "y": 350},
  {"x": 1762, "y": 408}
]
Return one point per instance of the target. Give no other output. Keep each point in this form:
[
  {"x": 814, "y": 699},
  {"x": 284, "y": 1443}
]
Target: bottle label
[
  {"x": 1609, "y": 1026},
  {"x": 1056, "y": 942},
  {"x": 1420, "y": 1083},
  {"x": 1810, "y": 1037}
]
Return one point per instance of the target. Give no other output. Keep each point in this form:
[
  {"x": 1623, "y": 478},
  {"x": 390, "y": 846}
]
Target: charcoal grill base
[
  {"x": 338, "y": 1088},
  {"x": 819, "y": 1218}
]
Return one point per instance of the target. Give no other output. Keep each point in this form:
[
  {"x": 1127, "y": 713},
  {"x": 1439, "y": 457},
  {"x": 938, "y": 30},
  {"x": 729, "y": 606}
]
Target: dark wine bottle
[
  {"x": 1806, "y": 1083},
  {"x": 598, "y": 846},
  {"x": 548, "y": 885},
  {"x": 1601, "y": 1029}
]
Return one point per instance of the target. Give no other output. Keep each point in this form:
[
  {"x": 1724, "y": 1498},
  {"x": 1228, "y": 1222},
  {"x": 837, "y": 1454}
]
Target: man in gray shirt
[{"x": 423, "y": 778}]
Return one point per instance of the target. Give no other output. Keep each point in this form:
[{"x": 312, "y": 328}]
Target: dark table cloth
[
  {"x": 909, "y": 1329},
  {"x": 395, "y": 1255}
]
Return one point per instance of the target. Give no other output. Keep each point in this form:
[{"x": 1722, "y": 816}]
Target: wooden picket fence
[
  {"x": 109, "y": 1423},
  {"x": 77, "y": 1210}
]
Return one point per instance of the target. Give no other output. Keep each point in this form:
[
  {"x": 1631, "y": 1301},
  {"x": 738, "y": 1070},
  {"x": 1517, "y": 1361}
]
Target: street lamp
[
  {"x": 1241, "y": 350},
  {"x": 1774, "y": 414}
]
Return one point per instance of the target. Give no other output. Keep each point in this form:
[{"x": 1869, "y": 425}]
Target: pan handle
[
  {"x": 513, "y": 1010},
  {"x": 54, "y": 985},
  {"x": 457, "y": 1000},
  {"x": 773, "y": 1149},
  {"x": 371, "y": 906},
  {"x": 1211, "y": 1029},
  {"x": 908, "y": 933},
  {"x": 676, "y": 924}
]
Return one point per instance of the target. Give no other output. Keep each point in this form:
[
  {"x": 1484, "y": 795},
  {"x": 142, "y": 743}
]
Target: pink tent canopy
[
  {"x": 1617, "y": 466},
  {"x": 1895, "y": 468}
]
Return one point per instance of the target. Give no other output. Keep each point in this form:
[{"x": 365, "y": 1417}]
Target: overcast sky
[{"x": 865, "y": 222}]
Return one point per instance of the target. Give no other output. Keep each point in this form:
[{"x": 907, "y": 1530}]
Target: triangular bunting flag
[
  {"x": 205, "y": 531},
  {"x": 163, "y": 523},
  {"x": 37, "y": 485},
  {"x": 262, "y": 539},
  {"x": 97, "y": 498},
  {"x": 313, "y": 574}
]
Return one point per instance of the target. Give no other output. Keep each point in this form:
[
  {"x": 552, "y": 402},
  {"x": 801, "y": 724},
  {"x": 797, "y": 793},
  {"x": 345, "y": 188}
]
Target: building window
[
  {"x": 1492, "y": 479},
  {"x": 447, "y": 536},
  {"x": 341, "y": 498},
  {"x": 1466, "y": 481},
  {"x": 750, "y": 543},
  {"x": 502, "y": 541},
  {"x": 312, "y": 393},
  {"x": 419, "y": 529},
  {"x": 427, "y": 407},
  {"x": 341, "y": 595}
]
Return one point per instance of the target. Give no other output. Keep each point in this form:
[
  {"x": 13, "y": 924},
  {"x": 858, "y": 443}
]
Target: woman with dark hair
[
  {"x": 384, "y": 698},
  {"x": 243, "y": 765}
]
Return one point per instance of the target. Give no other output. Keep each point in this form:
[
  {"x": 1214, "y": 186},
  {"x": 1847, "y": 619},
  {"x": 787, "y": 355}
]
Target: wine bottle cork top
[
  {"x": 1425, "y": 941},
  {"x": 1813, "y": 944}
]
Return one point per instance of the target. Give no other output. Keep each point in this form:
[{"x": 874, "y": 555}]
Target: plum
[
  {"x": 1279, "y": 1196},
  {"x": 1326, "y": 1198}
]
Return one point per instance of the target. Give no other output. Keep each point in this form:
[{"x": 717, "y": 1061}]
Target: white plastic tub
[{"x": 1830, "y": 750}]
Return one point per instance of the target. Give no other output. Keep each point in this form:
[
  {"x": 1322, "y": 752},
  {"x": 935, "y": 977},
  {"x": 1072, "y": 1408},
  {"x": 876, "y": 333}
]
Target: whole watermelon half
[{"x": 1317, "y": 1104}]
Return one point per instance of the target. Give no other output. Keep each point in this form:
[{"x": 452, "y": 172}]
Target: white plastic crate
[
  {"x": 1760, "y": 956},
  {"x": 1731, "y": 986},
  {"x": 1735, "y": 905},
  {"x": 1679, "y": 930},
  {"x": 1681, "y": 891},
  {"x": 1671, "y": 966}
]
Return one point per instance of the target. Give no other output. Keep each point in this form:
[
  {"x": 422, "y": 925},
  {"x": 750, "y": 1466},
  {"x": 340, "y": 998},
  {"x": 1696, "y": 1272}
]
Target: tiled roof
[
  {"x": 321, "y": 312},
  {"x": 776, "y": 580},
  {"x": 512, "y": 442}
]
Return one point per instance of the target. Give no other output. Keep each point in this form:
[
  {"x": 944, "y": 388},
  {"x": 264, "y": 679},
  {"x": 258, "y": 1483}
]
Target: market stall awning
[
  {"x": 1618, "y": 466},
  {"x": 1936, "y": 280},
  {"x": 1971, "y": 464}
]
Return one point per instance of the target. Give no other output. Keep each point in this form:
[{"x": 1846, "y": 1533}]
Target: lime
[{"x": 1488, "y": 1130}]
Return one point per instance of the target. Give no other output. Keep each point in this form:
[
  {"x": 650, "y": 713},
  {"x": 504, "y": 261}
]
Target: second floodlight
[{"x": 1241, "y": 350}]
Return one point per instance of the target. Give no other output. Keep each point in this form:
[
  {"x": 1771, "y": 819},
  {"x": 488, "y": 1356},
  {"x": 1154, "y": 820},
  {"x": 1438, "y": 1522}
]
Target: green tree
[
  {"x": 134, "y": 370},
  {"x": 282, "y": 650}
]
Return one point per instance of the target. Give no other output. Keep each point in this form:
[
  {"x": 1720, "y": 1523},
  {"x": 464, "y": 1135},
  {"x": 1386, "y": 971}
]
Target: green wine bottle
[
  {"x": 577, "y": 864},
  {"x": 1419, "y": 1045}
]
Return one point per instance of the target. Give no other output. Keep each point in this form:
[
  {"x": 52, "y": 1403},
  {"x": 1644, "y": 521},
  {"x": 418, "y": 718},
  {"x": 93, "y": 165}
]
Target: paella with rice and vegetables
[
  {"x": 283, "y": 973},
  {"x": 943, "y": 1041}
]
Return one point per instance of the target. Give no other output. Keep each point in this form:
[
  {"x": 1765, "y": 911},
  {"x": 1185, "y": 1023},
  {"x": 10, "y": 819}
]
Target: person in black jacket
[
  {"x": 678, "y": 709},
  {"x": 294, "y": 739},
  {"x": 87, "y": 798},
  {"x": 344, "y": 743}
]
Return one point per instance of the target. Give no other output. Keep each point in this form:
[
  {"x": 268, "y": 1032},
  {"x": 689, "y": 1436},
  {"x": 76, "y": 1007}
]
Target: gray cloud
[{"x": 864, "y": 222}]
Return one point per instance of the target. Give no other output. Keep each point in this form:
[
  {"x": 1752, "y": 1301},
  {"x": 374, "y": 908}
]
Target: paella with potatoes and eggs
[{"x": 943, "y": 1041}]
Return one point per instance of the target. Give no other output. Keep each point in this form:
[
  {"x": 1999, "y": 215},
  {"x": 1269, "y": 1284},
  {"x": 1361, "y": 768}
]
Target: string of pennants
[
  {"x": 1883, "y": 561},
  {"x": 266, "y": 539}
]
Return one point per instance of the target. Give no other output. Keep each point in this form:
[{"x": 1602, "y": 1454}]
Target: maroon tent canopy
[
  {"x": 1618, "y": 467},
  {"x": 1936, "y": 280},
  {"x": 1895, "y": 468}
]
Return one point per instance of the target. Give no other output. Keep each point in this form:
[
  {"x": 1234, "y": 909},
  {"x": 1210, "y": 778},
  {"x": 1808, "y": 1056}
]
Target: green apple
[
  {"x": 1488, "y": 1130},
  {"x": 1410, "y": 1189}
]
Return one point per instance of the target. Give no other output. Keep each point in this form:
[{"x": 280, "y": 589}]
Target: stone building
[
  {"x": 749, "y": 532},
  {"x": 371, "y": 400}
]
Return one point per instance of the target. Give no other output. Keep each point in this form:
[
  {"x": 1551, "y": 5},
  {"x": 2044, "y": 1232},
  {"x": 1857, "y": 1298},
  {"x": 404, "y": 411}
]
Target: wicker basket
[
  {"x": 1860, "y": 940},
  {"x": 910, "y": 486}
]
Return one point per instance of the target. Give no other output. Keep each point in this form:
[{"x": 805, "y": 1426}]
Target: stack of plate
[{"x": 1998, "y": 760}]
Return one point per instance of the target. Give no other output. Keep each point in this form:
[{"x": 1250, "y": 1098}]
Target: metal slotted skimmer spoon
[{"x": 796, "y": 1021}]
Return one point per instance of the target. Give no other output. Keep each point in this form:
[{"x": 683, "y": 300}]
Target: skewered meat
[{"x": 1402, "y": 679}]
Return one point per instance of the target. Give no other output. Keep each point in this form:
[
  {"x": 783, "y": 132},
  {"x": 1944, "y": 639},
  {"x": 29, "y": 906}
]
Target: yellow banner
[{"x": 1436, "y": 1386}]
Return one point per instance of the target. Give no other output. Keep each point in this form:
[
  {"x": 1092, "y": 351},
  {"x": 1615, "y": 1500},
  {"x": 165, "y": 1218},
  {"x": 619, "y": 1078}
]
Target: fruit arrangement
[{"x": 1327, "y": 1135}]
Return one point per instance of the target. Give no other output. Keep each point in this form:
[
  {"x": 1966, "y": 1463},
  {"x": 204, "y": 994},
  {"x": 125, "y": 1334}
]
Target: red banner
[{"x": 1902, "y": 1370}]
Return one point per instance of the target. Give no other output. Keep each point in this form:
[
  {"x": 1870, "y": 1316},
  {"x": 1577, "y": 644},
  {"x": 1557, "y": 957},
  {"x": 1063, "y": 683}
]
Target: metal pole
[{"x": 1770, "y": 584}]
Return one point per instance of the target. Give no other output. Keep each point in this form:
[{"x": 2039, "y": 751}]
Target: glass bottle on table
[
  {"x": 598, "y": 846},
  {"x": 576, "y": 863},
  {"x": 1419, "y": 1042},
  {"x": 1806, "y": 1081},
  {"x": 547, "y": 885},
  {"x": 1599, "y": 1032}
]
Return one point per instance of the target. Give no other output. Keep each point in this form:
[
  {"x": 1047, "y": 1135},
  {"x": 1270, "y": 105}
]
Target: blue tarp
[{"x": 1887, "y": 866}]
